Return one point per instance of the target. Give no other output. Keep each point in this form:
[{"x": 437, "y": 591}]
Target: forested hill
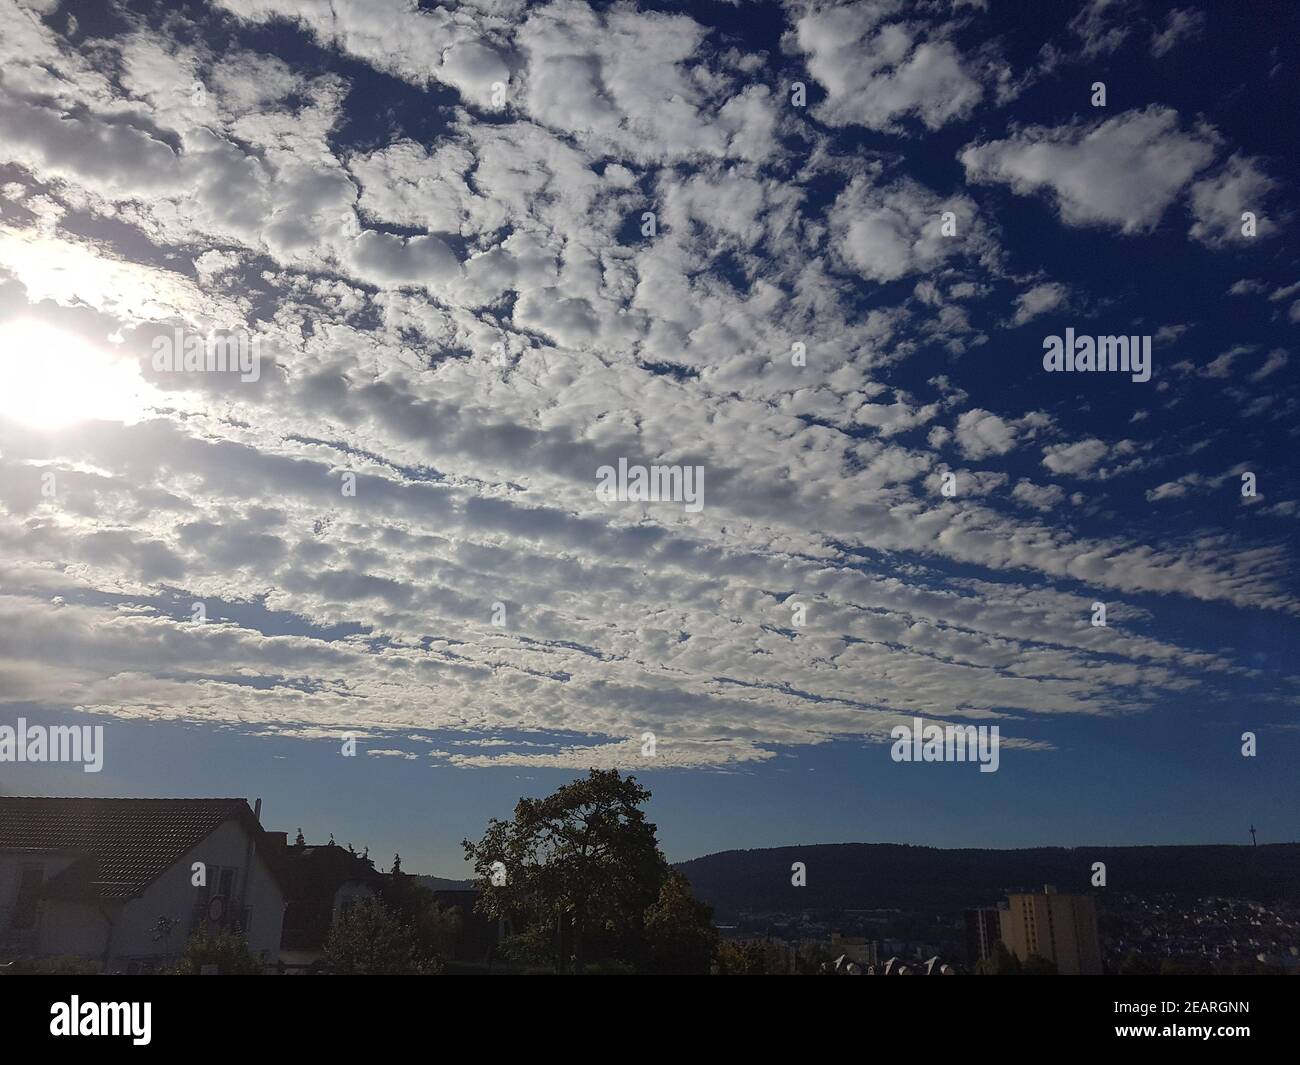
[
  {"x": 442, "y": 883},
  {"x": 887, "y": 875}
]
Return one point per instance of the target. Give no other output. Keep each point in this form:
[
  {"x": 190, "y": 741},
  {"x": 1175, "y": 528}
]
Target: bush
[
  {"x": 1037, "y": 965},
  {"x": 744, "y": 958},
  {"x": 228, "y": 951},
  {"x": 62, "y": 965},
  {"x": 1002, "y": 962},
  {"x": 371, "y": 940}
]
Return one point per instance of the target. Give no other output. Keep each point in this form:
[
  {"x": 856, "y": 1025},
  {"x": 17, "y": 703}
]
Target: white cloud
[
  {"x": 385, "y": 259},
  {"x": 888, "y": 232},
  {"x": 475, "y": 69},
  {"x": 1042, "y": 497},
  {"x": 409, "y": 42},
  {"x": 1277, "y": 358},
  {"x": 1100, "y": 25},
  {"x": 623, "y": 82},
  {"x": 877, "y": 69},
  {"x": 1182, "y": 23},
  {"x": 1192, "y": 483},
  {"x": 1041, "y": 299},
  {"x": 1219, "y": 201},
  {"x": 1123, "y": 171},
  {"x": 1084, "y": 457},
  {"x": 1221, "y": 365},
  {"x": 981, "y": 433},
  {"x": 384, "y": 268}
]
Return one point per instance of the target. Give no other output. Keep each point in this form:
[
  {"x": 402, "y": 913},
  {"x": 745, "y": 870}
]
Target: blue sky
[{"x": 431, "y": 221}]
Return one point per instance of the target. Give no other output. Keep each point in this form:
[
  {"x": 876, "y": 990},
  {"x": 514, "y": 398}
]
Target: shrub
[{"x": 228, "y": 951}]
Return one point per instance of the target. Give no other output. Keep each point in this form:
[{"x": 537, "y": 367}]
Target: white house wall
[
  {"x": 75, "y": 928},
  {"x": 173, "y": 895},
  {"x": 11, "y": 868}
]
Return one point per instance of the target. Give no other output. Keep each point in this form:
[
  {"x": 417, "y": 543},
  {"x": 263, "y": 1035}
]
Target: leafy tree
[
  {"x": 1135, "y": 964},
  {"x": 742, "y": 958},
  {"x": 810, "y": 958},
  {"x": 1186, "y": 966},
  {"x": 228, "y": 951},
  {"x": 1037, "y": 965},
  {"x": 679, "y": 930},
  {"x": 370, "y": 939},
  {"x": 434, "y": 929},
  {"x": 1253, "y": 967},
  {"x": 533, "y": 946},
  {"x": 1001, "y": 963},
  {"x": 583, "y": 862}
]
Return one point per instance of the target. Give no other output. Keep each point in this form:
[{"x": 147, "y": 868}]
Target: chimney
[
  {"x": 257, "y": 811},
  {"x": 279, "y": 840}
]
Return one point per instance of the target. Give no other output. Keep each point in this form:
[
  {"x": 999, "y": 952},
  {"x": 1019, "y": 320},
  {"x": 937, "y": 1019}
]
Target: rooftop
[{"x": 126, "y": 844}]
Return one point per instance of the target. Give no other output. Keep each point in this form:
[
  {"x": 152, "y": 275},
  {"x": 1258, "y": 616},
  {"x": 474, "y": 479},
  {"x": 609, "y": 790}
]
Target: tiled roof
[{"x": 126, "y": 843}]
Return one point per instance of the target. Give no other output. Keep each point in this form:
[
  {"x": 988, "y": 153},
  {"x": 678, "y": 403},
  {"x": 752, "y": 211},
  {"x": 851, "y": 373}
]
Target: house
[
  {"x": 322, "y": 883},
  {"x": 114, "y": 880},
  {"x": 855, "y": 949}
]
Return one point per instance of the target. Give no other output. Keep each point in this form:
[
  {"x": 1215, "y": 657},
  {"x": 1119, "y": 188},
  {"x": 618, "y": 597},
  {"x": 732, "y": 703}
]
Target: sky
[{"x": 813, "y": 252}]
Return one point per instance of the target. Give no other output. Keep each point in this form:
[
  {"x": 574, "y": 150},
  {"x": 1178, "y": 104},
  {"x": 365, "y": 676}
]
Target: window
[
  {"x": 29, "y": 890},
  {"x": 220, "y": 881}
]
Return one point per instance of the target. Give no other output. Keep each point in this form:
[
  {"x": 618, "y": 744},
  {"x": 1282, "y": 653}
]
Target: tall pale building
[{"x": 1060, "y": 928}]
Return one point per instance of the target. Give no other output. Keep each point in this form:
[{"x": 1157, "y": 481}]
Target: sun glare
[{"x": 50, "y": 379}]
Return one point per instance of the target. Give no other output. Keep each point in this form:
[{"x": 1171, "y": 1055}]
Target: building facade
[
  {"x": 1060, "y": 928},
  {"x": 123, "y": 883},
  {"x": 983, "y": 929}
]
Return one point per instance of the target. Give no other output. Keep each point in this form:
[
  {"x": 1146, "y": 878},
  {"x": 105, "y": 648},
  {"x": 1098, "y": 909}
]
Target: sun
[{"x": 50, "y": 379}]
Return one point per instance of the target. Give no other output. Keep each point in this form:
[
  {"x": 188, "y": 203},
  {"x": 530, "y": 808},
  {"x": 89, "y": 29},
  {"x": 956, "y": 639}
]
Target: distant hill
[
  {"x": 887, "y": 875},
  {"x": 441, "y": 883}
]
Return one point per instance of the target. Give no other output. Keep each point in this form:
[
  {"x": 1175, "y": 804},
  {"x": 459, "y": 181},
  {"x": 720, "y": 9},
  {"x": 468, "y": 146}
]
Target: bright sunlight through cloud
[{"x": 50, "y": 379}]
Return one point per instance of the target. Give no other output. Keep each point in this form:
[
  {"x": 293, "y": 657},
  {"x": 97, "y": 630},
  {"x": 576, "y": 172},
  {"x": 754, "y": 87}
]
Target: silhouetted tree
[
  {"x": 370, "y": 939},
  {"x": 433, "y": 929},
  {"x": 1135, "y": 964},
  {"x": 742, "y": 958},
  {"x": 1001, "y": 963},
  {"x": 679, "y": 930},
  {"x": 583, "y": 861},
  {"x": 1037, "y": 965}
]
